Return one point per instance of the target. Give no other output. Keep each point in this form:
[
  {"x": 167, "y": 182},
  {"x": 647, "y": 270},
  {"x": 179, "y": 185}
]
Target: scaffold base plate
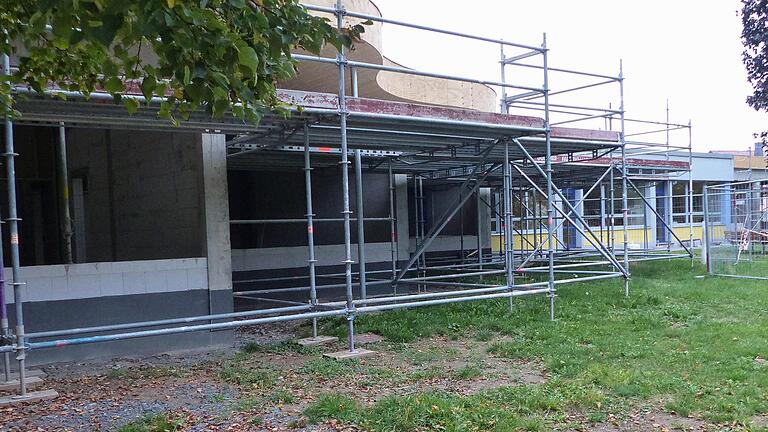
[
  {"x": 319, "y": 340},
  {"x": 346, "y": 354}
]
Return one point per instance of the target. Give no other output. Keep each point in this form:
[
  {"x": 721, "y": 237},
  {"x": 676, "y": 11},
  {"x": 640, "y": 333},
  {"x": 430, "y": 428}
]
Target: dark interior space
[
  {"x": 131, "y": 195},
  {"x": 282, "y": 195}
]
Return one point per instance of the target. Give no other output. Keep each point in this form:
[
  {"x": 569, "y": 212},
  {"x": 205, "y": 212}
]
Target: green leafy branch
[{"x": 218, "y": 56}]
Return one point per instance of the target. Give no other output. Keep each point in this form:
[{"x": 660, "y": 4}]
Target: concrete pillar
[
  {"x": 558, "y": 204},
  {"x": 401, "y": 210},
  {"x": 668, "y": 209},
  {"x": 485, "y": 218},
  {"x": 217, "y": 242},
  {"x": 650, "y": 195},
  {"x": 604, "y": 228},
  {"x": 578, "y": 194}
]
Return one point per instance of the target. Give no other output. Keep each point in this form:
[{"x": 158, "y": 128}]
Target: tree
[
  {"x": 754, "y": 17},
  {"x": 216, "y": 55}
]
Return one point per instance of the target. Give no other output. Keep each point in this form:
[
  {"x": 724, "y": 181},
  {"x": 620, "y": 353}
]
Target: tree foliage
[
  {"x": 214, "y": 55},
  {"x": 754, "y": 17}
]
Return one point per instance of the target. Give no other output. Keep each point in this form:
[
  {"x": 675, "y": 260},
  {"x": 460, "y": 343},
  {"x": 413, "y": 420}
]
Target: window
[
  {"x": 635, "y": 207},
  {"x": 592, "y": 208},
  {"x": 679, "y": 202},
  {"x": 698, "y": 202}
]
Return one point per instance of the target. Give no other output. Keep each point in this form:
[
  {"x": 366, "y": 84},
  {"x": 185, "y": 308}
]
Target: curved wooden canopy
[{"x": 385, "y": 85}]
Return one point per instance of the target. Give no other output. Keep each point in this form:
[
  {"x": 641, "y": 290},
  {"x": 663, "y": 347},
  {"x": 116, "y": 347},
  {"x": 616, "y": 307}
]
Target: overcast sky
[{"x": 683, "y": 50}]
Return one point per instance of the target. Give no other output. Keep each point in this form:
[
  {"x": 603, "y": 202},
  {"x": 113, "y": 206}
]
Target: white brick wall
[
  {"x": 75, "y": 281},
  {"x": 294, "y": 257}
]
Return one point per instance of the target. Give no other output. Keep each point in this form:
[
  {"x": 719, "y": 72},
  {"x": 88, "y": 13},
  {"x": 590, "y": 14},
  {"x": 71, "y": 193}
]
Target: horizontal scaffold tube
[
  {"x": 288, "y": 221},
  {"x": 170, "y": 321},
  {"x": 362, "y": 65},
  {"x": 308, "y": 315},
  {"x": 380, "y": 19}
]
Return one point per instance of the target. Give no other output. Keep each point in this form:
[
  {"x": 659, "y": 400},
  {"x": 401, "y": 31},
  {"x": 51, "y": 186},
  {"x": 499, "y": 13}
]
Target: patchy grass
[
  {"x": 153, "y": 423},
  {"x": 326, "y": 368},
  {"x": 280, "y": 348},
  {"x": 334, "y": 406},
  {"x": 241, "y": 373},
  {"x": 680, "y": 342},
  {"x": 469, "y": 371}
]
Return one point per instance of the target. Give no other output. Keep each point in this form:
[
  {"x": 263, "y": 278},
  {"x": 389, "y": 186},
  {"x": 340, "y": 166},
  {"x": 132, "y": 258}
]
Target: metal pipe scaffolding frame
[{"x": 467, "y": 153}]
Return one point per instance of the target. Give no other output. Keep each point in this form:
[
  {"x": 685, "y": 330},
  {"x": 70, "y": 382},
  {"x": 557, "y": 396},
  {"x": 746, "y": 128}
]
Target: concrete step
[
  {"x": 30, "y": 397},
  {"x": 13, "y": 385}
]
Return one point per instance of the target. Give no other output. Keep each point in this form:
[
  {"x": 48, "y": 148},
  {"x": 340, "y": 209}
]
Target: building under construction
[{"x": 390, "y": 188}]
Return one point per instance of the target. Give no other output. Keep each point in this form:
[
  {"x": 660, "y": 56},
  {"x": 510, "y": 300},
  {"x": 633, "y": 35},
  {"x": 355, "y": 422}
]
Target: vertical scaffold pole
[
  {"x": 550, "y": 203},
  {"x": 350, "y": 303},
  {"x": 624, "y": 202},
  {"x": 504, "y": 104},
  {"x": 353, "y": 72},
  {"x": 13, "y": 231},
  {"x": 5, "y": 331},
  {"x": 504, "y": 108},
  {"x": 461, "y": 229},
  {"x": 417, "y": 225},
  {"x": 422, "y": 228},
  {"x": 360, "y": 223},
  {"x": 392, "y": 227},
  {"x": 509, "y": 258},
  {"x": 603, "y": 237},
  {"x": 645, "y": 222},
  {"x": 612, "y": 221},
  {"x": 706, "y": 227},
  {"x": 479, "y": 232},
  {"x": 66, "y": 218},
  {"x": 690, "y": 191},
  {"x": 310, "y": 228}
]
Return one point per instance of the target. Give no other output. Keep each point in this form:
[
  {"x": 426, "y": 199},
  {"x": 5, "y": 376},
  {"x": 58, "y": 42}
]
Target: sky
[{"x": 684, "y": 51}]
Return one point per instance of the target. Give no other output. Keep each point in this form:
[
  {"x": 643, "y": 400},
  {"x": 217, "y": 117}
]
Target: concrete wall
[
  {"x": 156, "y": 223},
  {"x": 144, "y": 195},
  {"x": 85, "y": 295},
  {"x": 81, "y": 281}
]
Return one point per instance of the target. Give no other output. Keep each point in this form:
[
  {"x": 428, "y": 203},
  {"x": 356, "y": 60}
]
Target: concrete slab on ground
[
  {"x": 346, "y": 354},
  {"x": 34, "y": 396},
  {"x": 14, "y": 384},
  {"x": 319, "y": 340}
]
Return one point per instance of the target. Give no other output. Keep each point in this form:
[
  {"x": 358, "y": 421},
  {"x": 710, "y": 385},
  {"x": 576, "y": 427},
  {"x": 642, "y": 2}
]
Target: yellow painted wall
[{"x": 635, "y": 236}]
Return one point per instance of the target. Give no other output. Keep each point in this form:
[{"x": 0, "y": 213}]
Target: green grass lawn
[{"x": 681, "y": 343}]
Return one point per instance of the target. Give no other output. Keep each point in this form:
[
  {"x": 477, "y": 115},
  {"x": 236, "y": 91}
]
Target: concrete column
[
  {"x": 558, "y": 204},
  {"x": 217, "y": 242},
  {"x": 604, "y": 228},
  {"x": 401, "y": 209},
  {"x": 668, "y": 208},
  {"x": 485, "y": 218},
  {"x": 650, "y": 195},
  {"x": 578, "y": 194}
]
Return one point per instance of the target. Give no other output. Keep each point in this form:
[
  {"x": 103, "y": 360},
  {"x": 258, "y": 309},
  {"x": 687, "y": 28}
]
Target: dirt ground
[{"x": 265, "y": 385}]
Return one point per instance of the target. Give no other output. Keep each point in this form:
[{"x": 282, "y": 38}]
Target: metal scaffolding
[{"x": 524, "y": 159}]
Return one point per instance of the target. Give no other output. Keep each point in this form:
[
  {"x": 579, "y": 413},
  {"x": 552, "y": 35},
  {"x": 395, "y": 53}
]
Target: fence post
[{"x": 706, "y": 227}]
